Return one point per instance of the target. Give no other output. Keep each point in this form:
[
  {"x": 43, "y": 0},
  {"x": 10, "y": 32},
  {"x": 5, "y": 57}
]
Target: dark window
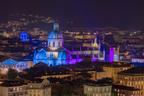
[
  {"x": 59, "y": 43},
  {"x": 53, "y": 44}
]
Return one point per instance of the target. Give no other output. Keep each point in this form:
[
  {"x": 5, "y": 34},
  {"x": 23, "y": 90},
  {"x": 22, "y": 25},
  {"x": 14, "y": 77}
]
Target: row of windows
[
  {"x": 5, "y": 66},
  {"x": 133, "y": 79},
  {"x": 102, "y": 94},
  {"x": 103, "y": 89},
  {"x": 15, "y": 89},
  {"x": 12, "y": 66},
  {"x": 124, "y": 92},
  {"x": 54, "y": 44},
  {"x": 57, "y": 36},
  {"x": 38, "y": 93},
  {"x": 17, "y": 94},
  {"x": 85, "y": 52}
]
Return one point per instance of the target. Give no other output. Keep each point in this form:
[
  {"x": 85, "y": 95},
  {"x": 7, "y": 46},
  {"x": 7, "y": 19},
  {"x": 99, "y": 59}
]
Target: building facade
[
  {"x": 122, "y": 90},
  {"x": 97, "y": 90},
  {"x": 133, "y": 77},
  {"x": 12, "y": 88},
  {"x": 112, "y": 70},
  {"x": 39, "y": 89},
  {"x": 55, "y": 54}
]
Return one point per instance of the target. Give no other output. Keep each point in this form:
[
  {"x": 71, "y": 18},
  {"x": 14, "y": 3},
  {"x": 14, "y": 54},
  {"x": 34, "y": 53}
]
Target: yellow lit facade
[
  {"x": 136, "y": 81},
  {"x": 95, "y": 75},
  {"x": 122, "y": 90},
  {"x": 39, "y": 89},
  {"x": 112, "y": 71},
  {"x": 13, "y": 90}
]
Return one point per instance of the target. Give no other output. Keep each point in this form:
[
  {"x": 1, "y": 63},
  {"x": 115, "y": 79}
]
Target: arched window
[
  {"x": 53, "y": 44},
  {"x": 49, "y": 44},
  {"x": 59, "y": 44}
]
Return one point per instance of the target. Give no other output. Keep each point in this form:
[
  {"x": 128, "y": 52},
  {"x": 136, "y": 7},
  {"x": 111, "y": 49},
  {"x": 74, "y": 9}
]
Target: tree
[
  {"x": 67, "y": 90},
  {"x": 12, "y": 74},
  {"x": 37, "y": 70}
]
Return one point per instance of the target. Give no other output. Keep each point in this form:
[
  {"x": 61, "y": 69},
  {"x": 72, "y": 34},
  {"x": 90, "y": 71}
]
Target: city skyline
[{"x": 71, "y": 48}]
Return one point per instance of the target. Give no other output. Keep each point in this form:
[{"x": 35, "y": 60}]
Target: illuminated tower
[
  {"x": 55, "y": 38},
  {"x": 55, "y": 54},
  {"x": 111, "y": 54},
  {"x": 101, "y": 52},
  {"x": 94, "y": 43},
  {"x": 114, "y": 54},
  {"x": 95, "y": 46},
  {"x": 24, "y": 36}
]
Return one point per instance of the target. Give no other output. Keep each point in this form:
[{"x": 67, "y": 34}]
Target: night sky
[{"x": 100, "y": 13}]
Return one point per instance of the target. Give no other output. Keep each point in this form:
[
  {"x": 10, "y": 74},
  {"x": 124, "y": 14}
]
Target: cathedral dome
[
  {"x": 54, "y": 35},
  {"x": 55, "y": 38}
]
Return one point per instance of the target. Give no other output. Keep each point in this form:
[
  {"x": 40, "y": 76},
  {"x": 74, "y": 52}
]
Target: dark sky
[{"x": 118, "y": 13}]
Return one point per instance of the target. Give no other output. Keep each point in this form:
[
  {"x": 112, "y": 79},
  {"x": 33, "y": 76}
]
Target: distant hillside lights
[
  {"x": 9, "y": 34},
  {"x": 6, "y": 34},
  {"x": 137, "y": 60}
]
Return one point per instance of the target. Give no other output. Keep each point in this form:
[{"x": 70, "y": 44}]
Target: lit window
[{"x": 89, "y": 89}]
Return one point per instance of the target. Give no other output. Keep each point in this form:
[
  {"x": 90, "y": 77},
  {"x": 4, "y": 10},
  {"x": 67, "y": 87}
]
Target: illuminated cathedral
[{"x": 55, "y": 54}]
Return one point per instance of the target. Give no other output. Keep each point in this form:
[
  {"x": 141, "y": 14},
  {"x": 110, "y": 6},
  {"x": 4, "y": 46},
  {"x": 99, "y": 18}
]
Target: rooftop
[
  {"x": 99, "y": 82},
  {"x": 134, "y": 71},
  {"x": 37, "y": 84},
  {"x": 118, "y": 64},
  {"x": 122, "y": 87},
  {"x": 2, "y": 58},
  {"x": 11, "y": 83}
]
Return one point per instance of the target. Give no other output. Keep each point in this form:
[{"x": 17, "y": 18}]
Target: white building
[
  {"x": 12, "y": 88},
  {"x": 39, "y": 89},
  {"x": 17, "y": 88}
]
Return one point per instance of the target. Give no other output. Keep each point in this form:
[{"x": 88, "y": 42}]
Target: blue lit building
[
  {"x": 24, "y": 36},
  {"x": 55, "y": 54},
  {"x": 10, "y": 63}
]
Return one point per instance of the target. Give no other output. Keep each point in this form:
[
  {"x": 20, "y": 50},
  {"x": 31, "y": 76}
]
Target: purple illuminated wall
[{"x": 111, "y": 54}]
